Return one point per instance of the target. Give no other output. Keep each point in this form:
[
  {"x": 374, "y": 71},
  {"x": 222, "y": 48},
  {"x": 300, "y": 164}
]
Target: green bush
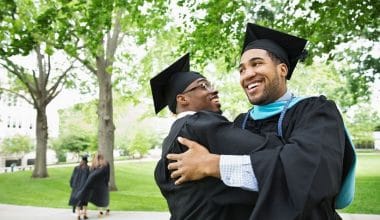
[
  {"x": 76, "y": 143},
  {"x": 142, "y": 143},
  {"x": 361, "y": 126},
  {"x": 16, "y": 144},
  {"x": 364, "y": 144}
]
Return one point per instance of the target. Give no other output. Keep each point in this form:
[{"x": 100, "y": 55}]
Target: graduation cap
[
  {"x": 287, "y": 47},
  {"x": 85, "y": 157},
  {"x": 171, "y": 82}
]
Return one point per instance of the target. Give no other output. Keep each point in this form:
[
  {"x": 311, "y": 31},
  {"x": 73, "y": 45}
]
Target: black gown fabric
[
  {"x": 300, "y": 178},
  {"x": 77, "y": 181},
  {"x": 96, "y": 188},
  {"x": 209, "y": 198}
]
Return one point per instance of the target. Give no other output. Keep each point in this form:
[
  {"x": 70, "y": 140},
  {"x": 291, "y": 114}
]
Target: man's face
[
  {"x": 202, "y": 96},
  {"x": 262, "y": 79}
]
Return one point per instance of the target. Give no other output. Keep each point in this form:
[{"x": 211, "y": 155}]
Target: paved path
[{"x": 13, "y": 212}]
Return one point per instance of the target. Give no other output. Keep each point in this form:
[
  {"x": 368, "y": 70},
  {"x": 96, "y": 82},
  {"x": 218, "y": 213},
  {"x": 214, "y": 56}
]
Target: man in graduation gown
[
  {"x": 196, "y": 103},
  {"x": 301, "y": 177}
]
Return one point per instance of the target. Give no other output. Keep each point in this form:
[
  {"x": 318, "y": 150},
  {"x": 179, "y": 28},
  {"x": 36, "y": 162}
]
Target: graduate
[
  {"x": 77, "y": 181},
  {"x": 95, "y": 189},
  {"x": 196, "y": 104},
  {"x": 308, "y": 175}
]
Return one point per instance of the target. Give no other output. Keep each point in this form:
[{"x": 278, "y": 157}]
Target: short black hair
[{"x": 276, "y": 59}]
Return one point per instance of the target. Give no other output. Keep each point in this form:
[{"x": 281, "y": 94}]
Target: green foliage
[
  {"x": 60, "y": 152},
  {"x": 77, "y": 130},
  {"x": 322, "y": 79},
  {"x": 17, "y": 144},
  {"x": 77, "y": 142},
  {"x": 215, "y": 30},
  {"x": 7, "y": 8},
  {"x": 91, "y": 21},
  {"x": 26, "y": 24},
  {"x": 332, "y": 22},
  {"x": 79, "y": 118},
  {"x": 362, "y": 124},
  {"x": 142, "y": 142}
]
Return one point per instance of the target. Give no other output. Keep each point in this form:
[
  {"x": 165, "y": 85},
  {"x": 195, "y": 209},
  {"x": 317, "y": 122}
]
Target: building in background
[{"x": 18, "y": 117}]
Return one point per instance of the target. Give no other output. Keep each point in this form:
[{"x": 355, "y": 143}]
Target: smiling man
[
  {"x": 196, "y": 103},
  {"x": 310, "y": 172}
]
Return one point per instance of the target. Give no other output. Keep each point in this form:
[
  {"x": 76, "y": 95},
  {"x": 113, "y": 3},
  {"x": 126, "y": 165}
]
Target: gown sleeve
[
  {"x": 220, "y": 136},
  {"x": 73, "y": 177}
]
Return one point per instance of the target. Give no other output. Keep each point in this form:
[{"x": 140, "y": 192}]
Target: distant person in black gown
[
  {"x": 77, "y": 181},
  {"x": 96, "y": 188},
  {"x": 99, "y": 179}
]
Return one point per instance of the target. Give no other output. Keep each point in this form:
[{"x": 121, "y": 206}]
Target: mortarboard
[
  {"x": 287, "y": 47},
  {"x": 171, "y": 82},
  {"x": 85, "y": 157}
]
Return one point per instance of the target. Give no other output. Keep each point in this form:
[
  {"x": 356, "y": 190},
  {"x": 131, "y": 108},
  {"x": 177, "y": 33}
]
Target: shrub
[
  {"x": 17, "y": 144},
  {"x": 142, "y": 143},
  {"x": 364, "y": 144}
]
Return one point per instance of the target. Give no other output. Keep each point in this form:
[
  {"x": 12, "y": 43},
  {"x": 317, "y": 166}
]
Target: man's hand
[{"x": 194, "y": 164}]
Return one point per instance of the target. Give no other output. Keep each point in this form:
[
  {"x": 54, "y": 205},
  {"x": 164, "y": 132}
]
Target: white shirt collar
[
  {"x": 183, "y": 114},
  {"x": 285, "y": 97}
]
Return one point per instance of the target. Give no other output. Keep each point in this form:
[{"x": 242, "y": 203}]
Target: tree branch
[
  {"x": 59, "y": 80},
  {"x": 113, "y": 40},
  {"x": 86, "y": 64},
  {"x": 48, "y": 71},
  {"x": 17, "y": 94},
  {"x": 53, "y": 95},
  {"x": 41, "y": 74},
  {"x": 19, "y": 72},
  {"x": 36, "y": 81}
]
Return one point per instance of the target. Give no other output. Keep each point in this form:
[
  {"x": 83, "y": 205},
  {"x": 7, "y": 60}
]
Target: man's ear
[
  {"x": 283, "y": 69},
  {"x": 182, "y": 99}
]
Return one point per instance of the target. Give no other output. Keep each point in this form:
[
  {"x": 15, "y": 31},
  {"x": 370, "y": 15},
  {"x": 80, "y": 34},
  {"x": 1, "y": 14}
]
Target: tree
[
  {"x": 29, "y": 28},
  {"x": 76, "y": 142},
  {"x": 97, "y": 28},
  {"x": 362, "y": 124},
  {"x": 16, "y": 144},
  {"x": 141, "y": 143},
  {"x": 78, "y": 123},
  {"x": 322, "y": 79}
]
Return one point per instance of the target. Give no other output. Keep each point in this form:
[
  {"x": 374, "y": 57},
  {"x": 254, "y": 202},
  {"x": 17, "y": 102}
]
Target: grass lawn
[
  {"x": 136, "y": 188},
  {"x": 367, "y": 191},
  {"x": 138, "y": 191}
]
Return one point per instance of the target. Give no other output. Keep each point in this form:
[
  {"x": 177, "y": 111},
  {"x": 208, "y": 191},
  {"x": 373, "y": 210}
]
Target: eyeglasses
[{"x": 206, "y": 85}]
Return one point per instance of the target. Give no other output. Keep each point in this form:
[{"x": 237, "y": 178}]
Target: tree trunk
[
  {"x": 40, "y": 170},
  {"x": 106, "y": 126}
]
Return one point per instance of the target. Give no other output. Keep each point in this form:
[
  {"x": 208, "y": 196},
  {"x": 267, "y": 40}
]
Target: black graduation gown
[
  {"x": 77, "y": 181},
  {"x": 300, "y": 178},
  {"x": 209, "y": 198},
  {"x": 96, "y": 188}
]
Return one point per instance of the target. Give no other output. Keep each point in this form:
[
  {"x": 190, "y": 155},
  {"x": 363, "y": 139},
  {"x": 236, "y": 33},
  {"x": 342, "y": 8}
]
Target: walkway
[{"x": 13, "y": 212}]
